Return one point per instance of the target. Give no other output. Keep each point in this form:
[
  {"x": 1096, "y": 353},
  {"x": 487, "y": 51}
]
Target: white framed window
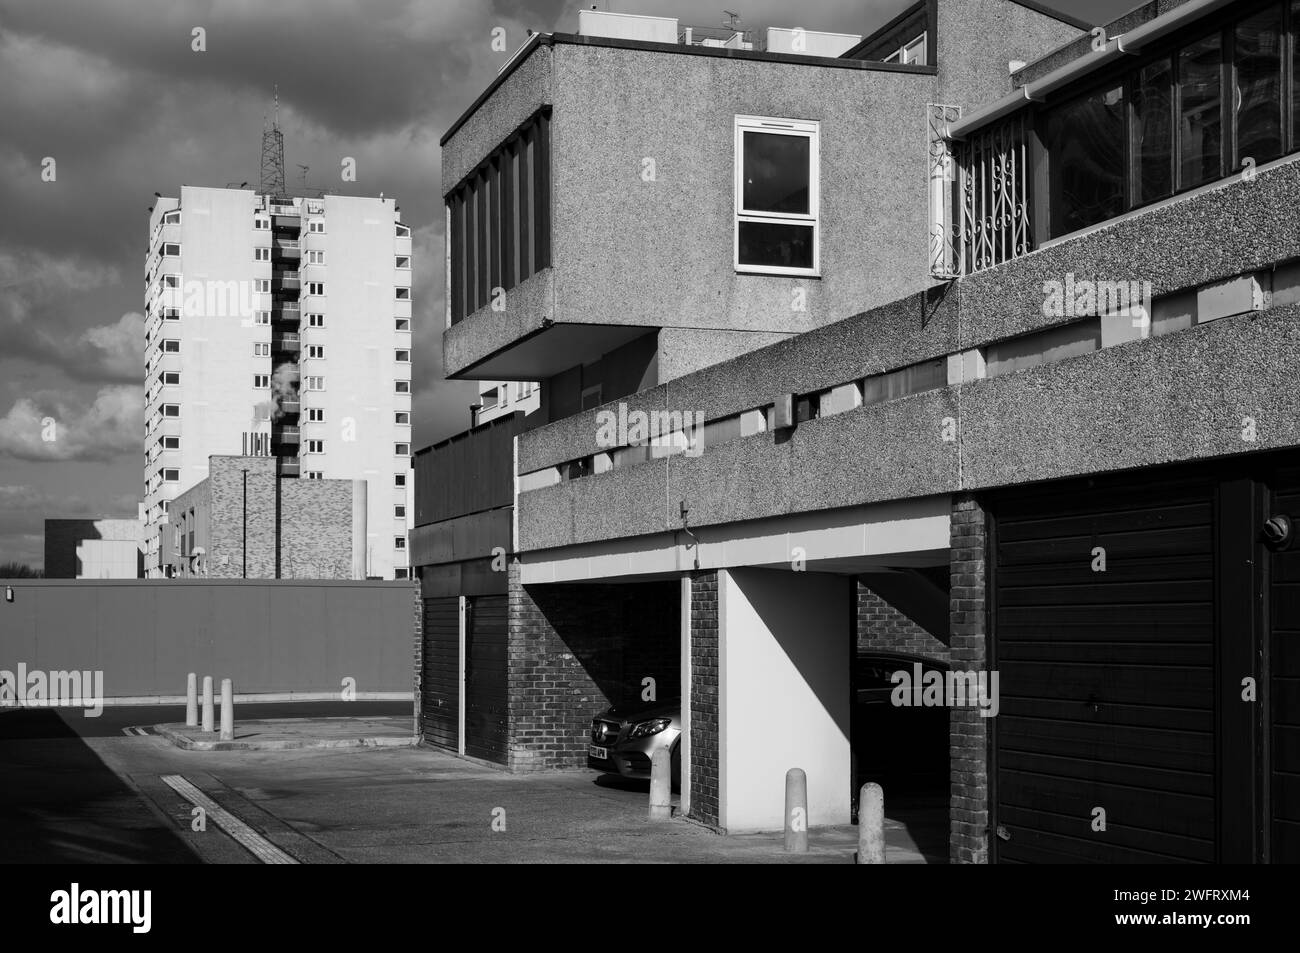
[
  {"x": 171, "y": 475},
  {"x": 404, "y": 262},
  {"x": 261, "y": 349},
  {"x": 262, "y": 317},
  {"x": 402, "y": 356},
  {"x": 261, "y": 254},
  {"x": 777, "y": 196},
  {"x": 261, "y": 223},
  {"x": 401, "y": 572},
  {"x": 315, "y": 475},
  {"x": 402, "y": 449},
  {"x": 399, "y": 511},
  {"x": 314, "y": 383},
  {"x": 403, "y": 231},
  {"x": 401, "y": 417},
  {"x": 316, "y": 226},
  {"x": 315, "y": 257},
  {"x": 401, "y": 324},
  {"x": 172, "y": 218},
  {"x": 399, "y": 542},
  {"x": 171, "y": 377},
  {"x": 171, "y": 443},
  {"x": 171, "y": 249},
  {"x": 171, "y": 314},
  {"x": 315, "y": 446},
  {"x": 262, "y": 285},
  {"x": 261, "y": 381},
  {"x": 399, "y": 480},
  {"x": 315, "y": 350},
  {"x": 171, "y": 281},
  {"x": 171, "y": 410},
  {"x": 315, "y": 415},
  {"x": 315, "y": 320},
  {"x": 403, "y": 294},
  {"x": 402, "y": 387},
  {"x": 315, "y": 287},
  {"x": 171, "y": 346}
]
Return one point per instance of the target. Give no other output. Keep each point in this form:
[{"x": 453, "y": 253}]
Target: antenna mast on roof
[
  {"x": 731, "y": 20},
  {"x": 273, "y": 153}
]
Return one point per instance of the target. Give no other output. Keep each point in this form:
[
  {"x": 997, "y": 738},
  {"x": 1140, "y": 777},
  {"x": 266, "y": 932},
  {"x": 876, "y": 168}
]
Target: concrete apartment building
[
  {"x": 280, "y": 326},
  {"x": 992, "y": 350}
]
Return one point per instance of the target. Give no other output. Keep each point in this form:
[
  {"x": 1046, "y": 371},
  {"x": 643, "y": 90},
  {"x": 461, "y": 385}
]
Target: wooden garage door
[
  {"x": 1106, "y": 677},
  {"x": 440, "y": 676},
  {"x": 1284, "y": 681},
  {"x": 485, "y": 678}
]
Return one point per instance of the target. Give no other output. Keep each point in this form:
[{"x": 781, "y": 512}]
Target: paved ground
[
  {"x": 84, "y": 792},
  {"x": 281, "y": 734}
]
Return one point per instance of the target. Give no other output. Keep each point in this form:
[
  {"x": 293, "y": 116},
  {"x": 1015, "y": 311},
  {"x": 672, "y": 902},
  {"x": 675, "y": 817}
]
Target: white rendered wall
[{"x": 784, "y": 649}]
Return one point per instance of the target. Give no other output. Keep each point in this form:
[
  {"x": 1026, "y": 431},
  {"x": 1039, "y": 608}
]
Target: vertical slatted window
[{"x": 500, "y": 220}]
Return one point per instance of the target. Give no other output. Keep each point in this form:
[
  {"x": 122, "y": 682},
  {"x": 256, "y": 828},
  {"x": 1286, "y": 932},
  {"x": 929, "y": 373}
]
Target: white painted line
[{"x": 260, "y": 847}]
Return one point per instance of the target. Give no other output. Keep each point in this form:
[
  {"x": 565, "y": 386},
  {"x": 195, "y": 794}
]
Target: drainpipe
[
  {"x": 245, "y": 524},
  {"x": 360, "y": 491}
]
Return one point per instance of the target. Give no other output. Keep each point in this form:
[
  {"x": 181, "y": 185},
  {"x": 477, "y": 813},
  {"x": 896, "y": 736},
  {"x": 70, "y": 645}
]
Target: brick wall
[
  {"x": 315, "y": 522},
  {"x": 968, "y": 738},
  {"x": 573, "y": 651},
  {"x": 704, "y": 697},
  {"x": 883, "y": 628}
]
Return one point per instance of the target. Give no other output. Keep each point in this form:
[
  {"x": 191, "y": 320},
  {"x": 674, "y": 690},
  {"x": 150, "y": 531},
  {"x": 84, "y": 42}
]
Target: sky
[{"x": 116, "y": 95}]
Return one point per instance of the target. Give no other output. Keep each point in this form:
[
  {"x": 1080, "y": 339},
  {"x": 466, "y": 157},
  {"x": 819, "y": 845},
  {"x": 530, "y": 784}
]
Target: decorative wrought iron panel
[{"x": 994, "y": 179}]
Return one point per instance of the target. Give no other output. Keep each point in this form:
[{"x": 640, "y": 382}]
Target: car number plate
[{"x": 598, "y": 752}]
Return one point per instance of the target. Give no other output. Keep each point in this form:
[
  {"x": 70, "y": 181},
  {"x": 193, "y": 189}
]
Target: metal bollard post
[
  {"x": 871, "y": 824},
  {"x": 207, "y": 703},
  {"x": 191, "y": 701},
  {"x": 796, "y": 811},
  {"x": 661, "y": 785},
  {"x": 227, "y": 710}
]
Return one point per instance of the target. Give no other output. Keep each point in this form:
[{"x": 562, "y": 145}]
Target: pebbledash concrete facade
[
  {"x": 225, "y": 526},
  {"x": 1089, "y": 506}
]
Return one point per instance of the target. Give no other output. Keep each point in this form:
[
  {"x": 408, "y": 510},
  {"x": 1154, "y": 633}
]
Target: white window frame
[
  {"x": 262, "y": 286},
  {"x": 315, "y": 474},
  {"x": 315, "y": 256},
  {"x": 398, "y": 292},
  {"x": 261, "y": 381},
  {"x": 261, "y": 349},
  {"x": 316, "y": 226},
  {"x": 316, "y": 351},
  {"x": 315, "y": 415},
  {"x": 316, "y": 288},
  {"x": 402, "y": 230},
  {"x": 261, "y": 253},
  {"x": 399, "y": 481},
  {"x": 398, "y": 420},
  {"x": 167, "y": 218},
  {"x": 312, "y": 319},
  {"x": 262, "y": 317},
  {"x": 808, "y": 129},
  {"x": 398, "y": 387},
  {"x": 314, "y": 383},
  {"x": 172, "y": 479},
  {"x": 398, "y": 259},
  {"x": 401, "y": 449},
  {"x": 402, "y": 324},
  {"x": 315, "y": 445},
  {"x": 397, "y": 355}
]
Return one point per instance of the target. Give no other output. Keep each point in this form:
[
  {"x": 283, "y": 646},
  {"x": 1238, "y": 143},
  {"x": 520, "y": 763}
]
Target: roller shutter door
[
  {"x": 1107, "y": 678},
  {"x": 485, "y": 678},
  {"x": 440, "y": 675}
]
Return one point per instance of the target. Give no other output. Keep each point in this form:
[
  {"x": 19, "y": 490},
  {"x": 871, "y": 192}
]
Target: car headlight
[{"x": 651, "y": 727}]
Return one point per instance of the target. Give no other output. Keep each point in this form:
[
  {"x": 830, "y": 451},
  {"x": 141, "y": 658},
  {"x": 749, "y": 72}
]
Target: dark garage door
[
  {"x": 1107, "y": 678},
  {"x": 439, "y": 682},
  {"x": 1284, "y": 684},
  {"x": 485, "y": 678}
]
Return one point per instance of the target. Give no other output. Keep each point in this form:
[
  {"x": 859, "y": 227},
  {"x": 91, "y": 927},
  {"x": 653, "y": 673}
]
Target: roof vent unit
[
  {"x": 809, "y": 42},
  {"x": 627, "y": 26}
]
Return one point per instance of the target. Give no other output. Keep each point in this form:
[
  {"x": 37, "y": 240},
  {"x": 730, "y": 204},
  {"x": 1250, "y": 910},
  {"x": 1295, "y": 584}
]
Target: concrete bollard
[
  {"x": 661, "y": 785},
  {"x": 207, "y": 703},
  {"x": 796, "y": 811},
  {"x": 227, "y": 710},
  {"x": 871, "y": 824},
  {"x": 191, "y": 700}
]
